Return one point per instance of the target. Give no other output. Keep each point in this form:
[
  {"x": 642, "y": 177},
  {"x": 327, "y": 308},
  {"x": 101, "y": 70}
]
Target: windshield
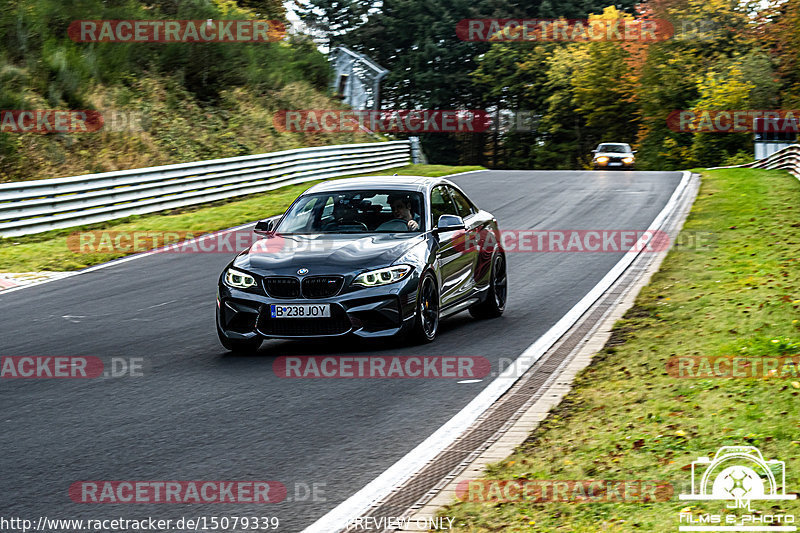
[
  {"x": 355, "y": 212},
  {"x": 614, "y": 148}
]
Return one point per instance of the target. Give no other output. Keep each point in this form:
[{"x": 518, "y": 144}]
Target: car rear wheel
[
  {"x": 426, "y": 322},
  {"x": 495, "y": 302},
  {"x": 239, "y": 346}
]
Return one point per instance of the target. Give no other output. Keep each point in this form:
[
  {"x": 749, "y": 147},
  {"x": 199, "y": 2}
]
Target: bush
[{"x": 740, "y": 158}]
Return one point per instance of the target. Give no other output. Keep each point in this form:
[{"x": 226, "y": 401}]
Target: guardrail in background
[
  {"x": 784, "y": 159},
  {"x": 34, "y": 206}
]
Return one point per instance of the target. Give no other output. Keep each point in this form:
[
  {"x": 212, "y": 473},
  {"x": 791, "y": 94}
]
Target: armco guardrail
[
  {"x": 34, "y": 206},
  {"x": 785, "y": 159}
]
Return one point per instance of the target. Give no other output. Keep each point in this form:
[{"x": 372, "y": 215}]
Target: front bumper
[
  {"x": 369, "y": 312},
  {"x": 613, "y": 164}
]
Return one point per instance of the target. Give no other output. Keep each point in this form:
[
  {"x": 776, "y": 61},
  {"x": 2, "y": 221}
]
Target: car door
[
  {"x": 454, "y": 260},
  {"x": 475, "y": 238}
]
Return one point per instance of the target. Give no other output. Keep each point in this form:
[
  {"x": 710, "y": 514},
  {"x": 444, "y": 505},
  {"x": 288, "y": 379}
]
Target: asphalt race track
[{"x": 198, "y": 413}]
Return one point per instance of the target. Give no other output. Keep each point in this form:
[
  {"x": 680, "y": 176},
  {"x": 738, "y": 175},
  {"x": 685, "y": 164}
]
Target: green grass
[
  {"x": 49, "y": 252},
  {"x": 626, "y": 418}
]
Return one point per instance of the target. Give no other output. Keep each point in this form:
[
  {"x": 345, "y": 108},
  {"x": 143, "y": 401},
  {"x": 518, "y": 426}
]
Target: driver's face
[{"x": 399, "y": 210}]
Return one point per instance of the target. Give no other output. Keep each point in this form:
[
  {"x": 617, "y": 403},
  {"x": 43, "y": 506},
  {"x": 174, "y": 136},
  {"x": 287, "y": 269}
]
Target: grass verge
[
  {"x": 628, "y": 419},
  {"x": 48, "y": 251}
]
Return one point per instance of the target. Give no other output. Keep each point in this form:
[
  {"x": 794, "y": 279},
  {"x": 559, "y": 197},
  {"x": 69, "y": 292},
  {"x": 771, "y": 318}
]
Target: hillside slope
[{"x": 161, "y": 103}]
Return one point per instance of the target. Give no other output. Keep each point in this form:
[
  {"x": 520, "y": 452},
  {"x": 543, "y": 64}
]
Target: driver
[{"x": 401, "y": 209}]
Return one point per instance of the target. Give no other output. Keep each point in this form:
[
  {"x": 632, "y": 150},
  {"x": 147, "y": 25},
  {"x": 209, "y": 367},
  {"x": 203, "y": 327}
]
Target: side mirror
[
  {"x": 634, "y": 151},
  {"x": 594, "y": 151},
  {"x": 265, "y": 227},
  {"x": 450, "y": 223}
]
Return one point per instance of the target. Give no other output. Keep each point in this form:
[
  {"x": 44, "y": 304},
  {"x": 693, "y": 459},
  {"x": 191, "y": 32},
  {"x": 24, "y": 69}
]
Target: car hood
[{"x": 320, "y": 254}]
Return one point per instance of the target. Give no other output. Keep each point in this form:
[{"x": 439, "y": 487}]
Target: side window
[
  {"x": 464, "y": 207},
  {"x": 308, "y": 207},
  {"x": 327, "y": 211},
  {"x": 441, "y": 204}
]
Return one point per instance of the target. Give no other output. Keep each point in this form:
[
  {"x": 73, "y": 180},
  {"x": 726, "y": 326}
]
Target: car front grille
[
  {"x": 312, "y": 287},
  {"x": 337, "y": 324},
  {"x": 322, "y": 286},
  {"x": 282, "y": 287}
]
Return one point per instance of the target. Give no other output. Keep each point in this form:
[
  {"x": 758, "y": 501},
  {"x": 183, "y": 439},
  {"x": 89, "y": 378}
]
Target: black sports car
[{"x": 372, "y": 257}]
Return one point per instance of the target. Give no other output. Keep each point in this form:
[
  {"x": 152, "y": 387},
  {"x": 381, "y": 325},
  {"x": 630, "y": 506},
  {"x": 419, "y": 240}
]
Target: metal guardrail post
[{"x": 417, "y": 155}]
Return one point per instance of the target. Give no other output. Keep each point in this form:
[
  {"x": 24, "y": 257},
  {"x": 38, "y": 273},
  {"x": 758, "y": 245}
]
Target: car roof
[{"x": 403, "y": 183}]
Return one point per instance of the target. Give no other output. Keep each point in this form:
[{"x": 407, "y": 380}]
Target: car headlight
[
  {"x": 627, "y": 160},
  {"x": 382, "y": 276},
  {"x": 602, "y": 159},
  {"x": 238, "y": 279}
]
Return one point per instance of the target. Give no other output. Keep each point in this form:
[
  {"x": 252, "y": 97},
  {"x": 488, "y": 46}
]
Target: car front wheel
[{"x": 426, "y": 322}]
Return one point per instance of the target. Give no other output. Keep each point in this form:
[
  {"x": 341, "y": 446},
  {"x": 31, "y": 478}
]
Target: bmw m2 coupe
[{"x": 371, "y": 257}]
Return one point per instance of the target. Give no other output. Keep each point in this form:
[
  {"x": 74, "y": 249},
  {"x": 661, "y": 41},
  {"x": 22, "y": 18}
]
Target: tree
[
  {"x": 711, "y": 37},
  {"x": 780, "y": 29},
  {"x": 265, "y": 9},
  {"x": 333, "y": 19},
  {"x": 429, "y": 66}
]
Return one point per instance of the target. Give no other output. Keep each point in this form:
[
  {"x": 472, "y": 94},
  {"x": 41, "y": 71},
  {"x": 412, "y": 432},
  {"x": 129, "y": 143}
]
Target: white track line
[
  {"x": 360, "y": 502},
  {"x": 448, "y": 176}
]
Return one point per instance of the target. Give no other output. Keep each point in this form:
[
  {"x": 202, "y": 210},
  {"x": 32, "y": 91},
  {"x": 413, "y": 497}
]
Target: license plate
[
  {"x": 615, "y": 164},
  {"x": 300, "y": 311}
]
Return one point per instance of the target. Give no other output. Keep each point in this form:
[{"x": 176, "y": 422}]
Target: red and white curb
[{"x": 10, "y": 280}]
